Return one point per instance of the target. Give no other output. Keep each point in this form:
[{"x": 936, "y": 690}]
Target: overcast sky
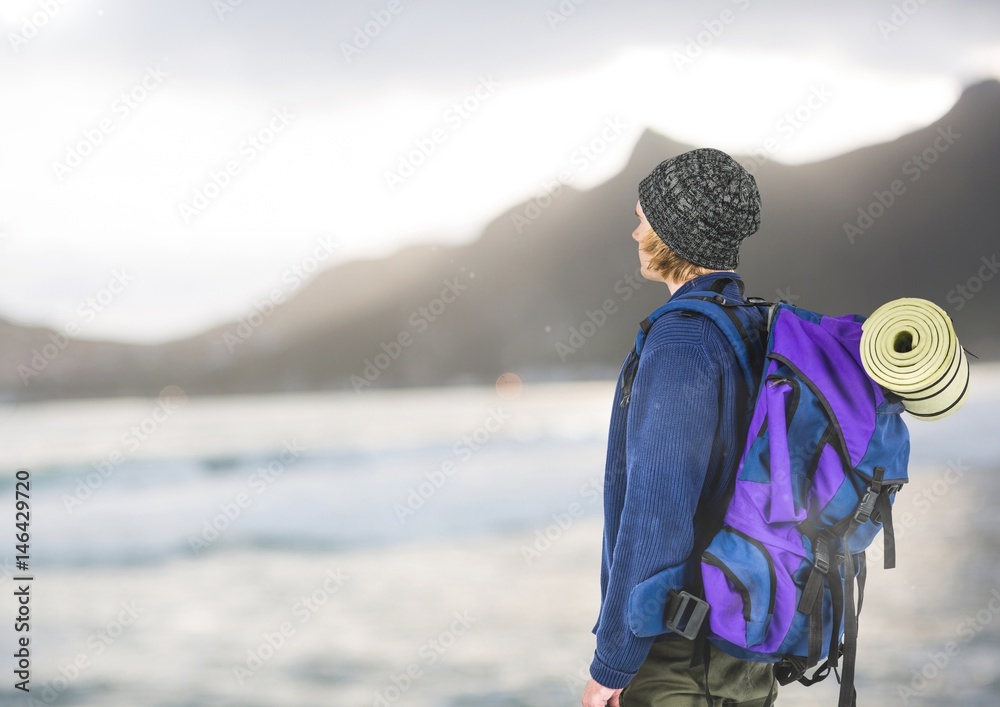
[{"x": 174, "y": 159}]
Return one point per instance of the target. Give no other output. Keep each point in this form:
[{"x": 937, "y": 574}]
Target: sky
[{"x": 164, "y": 165}]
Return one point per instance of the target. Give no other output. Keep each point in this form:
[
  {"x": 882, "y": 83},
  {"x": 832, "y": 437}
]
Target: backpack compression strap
[{"x": 875, "y": 504}]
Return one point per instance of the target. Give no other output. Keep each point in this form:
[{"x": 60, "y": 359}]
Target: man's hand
[{"x": 596, "y": 695}]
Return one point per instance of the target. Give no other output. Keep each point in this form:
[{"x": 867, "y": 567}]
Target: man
[{"x": 676, "y": 437}]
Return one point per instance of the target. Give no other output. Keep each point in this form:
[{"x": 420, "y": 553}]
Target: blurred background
[{"x": 311, "y": 315}]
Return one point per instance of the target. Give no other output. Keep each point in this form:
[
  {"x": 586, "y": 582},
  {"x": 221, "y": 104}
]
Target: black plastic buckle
[
  {"x": 867, "y": 506},
  {"x": 822, "y": 559},
  {"x": 685, "y": 613}
]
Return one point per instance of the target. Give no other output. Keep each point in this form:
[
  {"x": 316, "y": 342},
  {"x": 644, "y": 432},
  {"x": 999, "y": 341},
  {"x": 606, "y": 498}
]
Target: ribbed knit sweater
[{"x": 674, "y": 446}]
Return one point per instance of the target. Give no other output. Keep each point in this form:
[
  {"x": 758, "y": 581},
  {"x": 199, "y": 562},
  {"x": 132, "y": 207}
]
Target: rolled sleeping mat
[{"x": 909, "y": 346}]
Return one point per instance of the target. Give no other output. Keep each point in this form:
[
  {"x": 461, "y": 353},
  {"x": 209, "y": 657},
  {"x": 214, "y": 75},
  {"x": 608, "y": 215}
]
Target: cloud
[{"x": 563, "y": 69}]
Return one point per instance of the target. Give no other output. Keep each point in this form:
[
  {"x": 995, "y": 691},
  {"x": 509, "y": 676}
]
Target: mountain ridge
[{"x": 520, "y": 288}]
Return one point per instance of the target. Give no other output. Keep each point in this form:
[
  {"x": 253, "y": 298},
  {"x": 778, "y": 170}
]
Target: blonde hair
[{"x": 666, "y": 262}]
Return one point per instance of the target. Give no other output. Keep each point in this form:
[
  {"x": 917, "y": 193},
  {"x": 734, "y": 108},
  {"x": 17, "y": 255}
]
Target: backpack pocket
[
  {"x": 740, "y": 585},
  {"x": 648, "y": 600}
]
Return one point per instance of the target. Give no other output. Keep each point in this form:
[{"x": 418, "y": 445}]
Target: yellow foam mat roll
[{"x": 909, "y": 346}]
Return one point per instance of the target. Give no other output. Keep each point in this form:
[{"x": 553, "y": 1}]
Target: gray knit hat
[{"x": 702, "y": 204}]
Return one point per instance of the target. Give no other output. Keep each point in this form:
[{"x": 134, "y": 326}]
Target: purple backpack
[{"x": 826, "y": 450}]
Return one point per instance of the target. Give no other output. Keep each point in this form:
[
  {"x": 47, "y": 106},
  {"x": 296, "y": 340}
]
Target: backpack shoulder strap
[
  {"x": 712, "y": 304},
  {"x": 745, "y": 344}
]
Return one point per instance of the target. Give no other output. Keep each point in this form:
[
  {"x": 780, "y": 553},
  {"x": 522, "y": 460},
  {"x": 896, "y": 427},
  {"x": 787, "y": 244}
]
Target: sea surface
[{"x": 435, "y": 548}]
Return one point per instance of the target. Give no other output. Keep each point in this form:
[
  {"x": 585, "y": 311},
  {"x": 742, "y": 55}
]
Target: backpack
[{"x": 826, "y": 451}]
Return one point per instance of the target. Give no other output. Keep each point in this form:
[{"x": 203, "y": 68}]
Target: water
[{"x": 329, "y": 549}]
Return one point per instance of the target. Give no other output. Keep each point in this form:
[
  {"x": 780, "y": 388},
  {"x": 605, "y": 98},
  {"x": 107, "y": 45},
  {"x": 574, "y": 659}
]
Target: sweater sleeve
[{"x": 672, "y": 419}]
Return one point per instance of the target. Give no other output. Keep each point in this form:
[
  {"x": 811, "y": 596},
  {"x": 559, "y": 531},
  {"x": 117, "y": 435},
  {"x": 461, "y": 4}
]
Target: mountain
[{"x": 550, "y": 289}]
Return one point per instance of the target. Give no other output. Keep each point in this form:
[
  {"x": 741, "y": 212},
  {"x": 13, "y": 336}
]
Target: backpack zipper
[
  {"x": 741, "y": 588},
  {"x": 767, "y": 558}
]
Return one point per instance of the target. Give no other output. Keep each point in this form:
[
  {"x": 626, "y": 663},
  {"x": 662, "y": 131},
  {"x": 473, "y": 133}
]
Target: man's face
[{"x": 641, "y": 230}]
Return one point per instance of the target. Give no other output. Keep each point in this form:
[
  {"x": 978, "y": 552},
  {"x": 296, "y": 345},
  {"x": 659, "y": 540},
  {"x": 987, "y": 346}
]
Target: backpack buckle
[
  {"x": 867, "y": 506},
  {"x": 821, "y": 560},
  {"x": 684, "y": 613}
]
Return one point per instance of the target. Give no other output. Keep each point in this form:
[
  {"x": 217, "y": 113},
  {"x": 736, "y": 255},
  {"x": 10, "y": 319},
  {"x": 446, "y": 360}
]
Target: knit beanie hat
[{"x": 702, "y": 204}]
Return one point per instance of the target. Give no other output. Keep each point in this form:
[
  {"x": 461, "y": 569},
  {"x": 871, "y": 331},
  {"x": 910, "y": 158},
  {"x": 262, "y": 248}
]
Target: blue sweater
[{"x": 674, "y": 446}]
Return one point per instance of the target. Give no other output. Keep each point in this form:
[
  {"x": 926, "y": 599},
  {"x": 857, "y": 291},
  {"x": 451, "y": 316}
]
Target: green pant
[{"x": 667, "y": 679}]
